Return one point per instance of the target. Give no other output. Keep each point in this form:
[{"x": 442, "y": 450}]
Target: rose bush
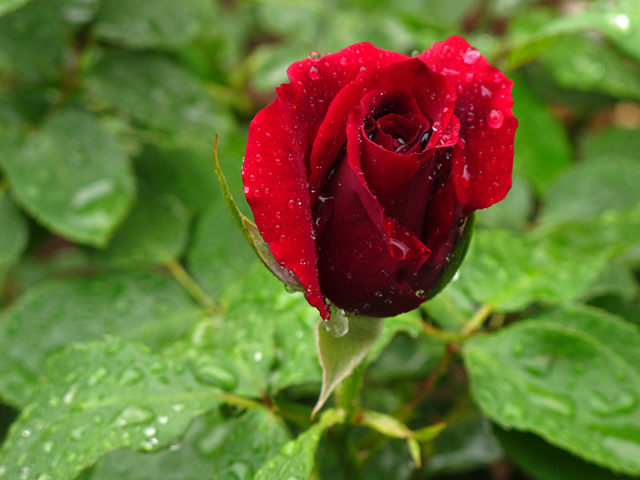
[{"x": 360, "y": 174}]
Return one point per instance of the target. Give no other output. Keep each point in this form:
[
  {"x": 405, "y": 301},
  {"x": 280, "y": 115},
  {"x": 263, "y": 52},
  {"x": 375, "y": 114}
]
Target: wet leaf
[
  {"x": 593, "y": 187},
  {"x": 140, "y": 306},
  {"x": 7, "y": 6},
  {"x": 232, "y": 448},
  {"x": 14, "y": 232},
  {"x": 160, "y": 94},
  {"x": 72, "y": 176},
  {"x": 99, "y": 397},
  {"x": 464, "y": 446},
  {"x": 585, "y": 64},
  {"x": 152, "y": 23},
  {"x": 555, "y": 264},
  {"x": 296, "y": 459},
  {"x": 156, "y": 231},
  {"x": 32, "y": 39},
  {"x": 544, "y": 461},
  {"x": 540, "y": 162},
  {"x": 570, "y": 376}
]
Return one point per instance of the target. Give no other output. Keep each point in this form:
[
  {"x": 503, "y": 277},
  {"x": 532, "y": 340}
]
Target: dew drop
[
  {"x": 315, "y": 55},
  {"x": 495, "y": 119},
  {"x": 344, "y": 62},
  {"x": 338, "y": 323},
  {"x": 291, "y": 204},
  {"x": 314, "y": 73},
  {"x": 471, "y": 56},
  {"x": 246, "y": 189},
  {"x": 26, "y": 432},
  {"x": 421, "y": 293},
  {"x": 133, "y": 415}
]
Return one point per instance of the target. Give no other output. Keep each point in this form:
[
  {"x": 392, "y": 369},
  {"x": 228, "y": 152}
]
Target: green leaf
[
  {"x": 570, "y": 376},
  {"x": 7, "y": 6},
  {"x": 585, "y": 64},
  {"x": 72, "y": 176},
  {"x": 232, "y": 448},
  {"x": 615, "y": 279},
  {"x": 140, "y": 306},
  {"x": 159, "y": 94},
  {"x": 32, "y": 39},
  {"x": 463, "y": 446},
  {"x": 15, "y": 233},
  {"x": 553, "y": 264},
  {"x": 275, "y": 332},
  {"x": 540, "y": 162},
  {"x": 235, "y": 350},
  {"x": 339, "y": 356},
  {"x": 296, "y": 460},
  {"x": 410, "y": 323},
  {"x": 185, "y": 173},
  {"x": 618, "y": 142},
  {"x": 156, "y": 230},
  {"x": 152, "y": 23},
  {"x": 408, "y": 355},
  {"x": 453, "y": 307},
  {"x": 511, "y": 213},
  {"x": 618, "y": 20},
  {"x": 545, "y": 462},
  {"x": 219, "y": 251},
  {"x": 590, "y": 188},
  {"x": 99, "y": 397}
]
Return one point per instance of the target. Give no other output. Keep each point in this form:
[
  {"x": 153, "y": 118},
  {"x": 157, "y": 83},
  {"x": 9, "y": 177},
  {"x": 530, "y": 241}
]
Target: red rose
[{"x": 363, "y": 169}]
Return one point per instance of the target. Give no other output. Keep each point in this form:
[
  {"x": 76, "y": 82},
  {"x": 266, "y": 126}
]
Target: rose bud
[{"x": 362, "y": 171}]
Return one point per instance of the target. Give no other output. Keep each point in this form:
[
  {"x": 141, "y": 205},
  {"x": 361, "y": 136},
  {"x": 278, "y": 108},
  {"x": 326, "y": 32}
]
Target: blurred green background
[{"x": 108, "y": 114}]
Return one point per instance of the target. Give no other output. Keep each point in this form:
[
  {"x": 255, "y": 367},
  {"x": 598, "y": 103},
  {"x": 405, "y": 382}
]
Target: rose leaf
[{"x": 570, "y": 376}]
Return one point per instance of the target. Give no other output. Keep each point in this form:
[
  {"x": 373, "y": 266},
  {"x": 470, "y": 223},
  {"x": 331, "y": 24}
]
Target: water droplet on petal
[
  {"x": 471, "y": 56},
  {"x": 314, "y": 73},
  {"x": 495, "y": 119}
]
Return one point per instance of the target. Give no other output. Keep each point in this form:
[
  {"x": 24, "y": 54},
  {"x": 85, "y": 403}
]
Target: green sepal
[
  {"x": 455, "y": 257},
  {"x": 252, "y": 234}
]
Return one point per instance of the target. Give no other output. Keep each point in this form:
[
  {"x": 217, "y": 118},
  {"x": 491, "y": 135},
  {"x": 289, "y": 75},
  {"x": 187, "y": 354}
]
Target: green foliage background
[{"x": 141, "y": 338}]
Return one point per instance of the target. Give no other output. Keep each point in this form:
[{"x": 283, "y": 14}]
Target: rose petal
[
  {"x": 361, "y": 266},
  {"x": 315, "y": 82},
  {"x": 487, "y": 124},
  {"x": 401, "y": 183},
  {"x": 434, "y": 95},
  {"x": 275, "y": 184}
]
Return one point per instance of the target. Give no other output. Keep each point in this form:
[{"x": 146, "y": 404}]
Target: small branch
[
  {"x": 429, "y": 383},
  {"x": 240, "y": 401},
  {"x": 181, "y": 275},
  {"x": 477, "y": 320},
  {"x": 447, "y": 337}
]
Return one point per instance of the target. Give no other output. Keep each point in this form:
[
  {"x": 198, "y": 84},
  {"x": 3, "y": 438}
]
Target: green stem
[
  {"x": 477, "y": 320},
  {"x": 190, "y": 285},
  {"x": 347, "y": 394}
]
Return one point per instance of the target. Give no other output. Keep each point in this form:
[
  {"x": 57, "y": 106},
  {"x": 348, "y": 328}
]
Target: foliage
[{"x": 140, "y": 336}]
